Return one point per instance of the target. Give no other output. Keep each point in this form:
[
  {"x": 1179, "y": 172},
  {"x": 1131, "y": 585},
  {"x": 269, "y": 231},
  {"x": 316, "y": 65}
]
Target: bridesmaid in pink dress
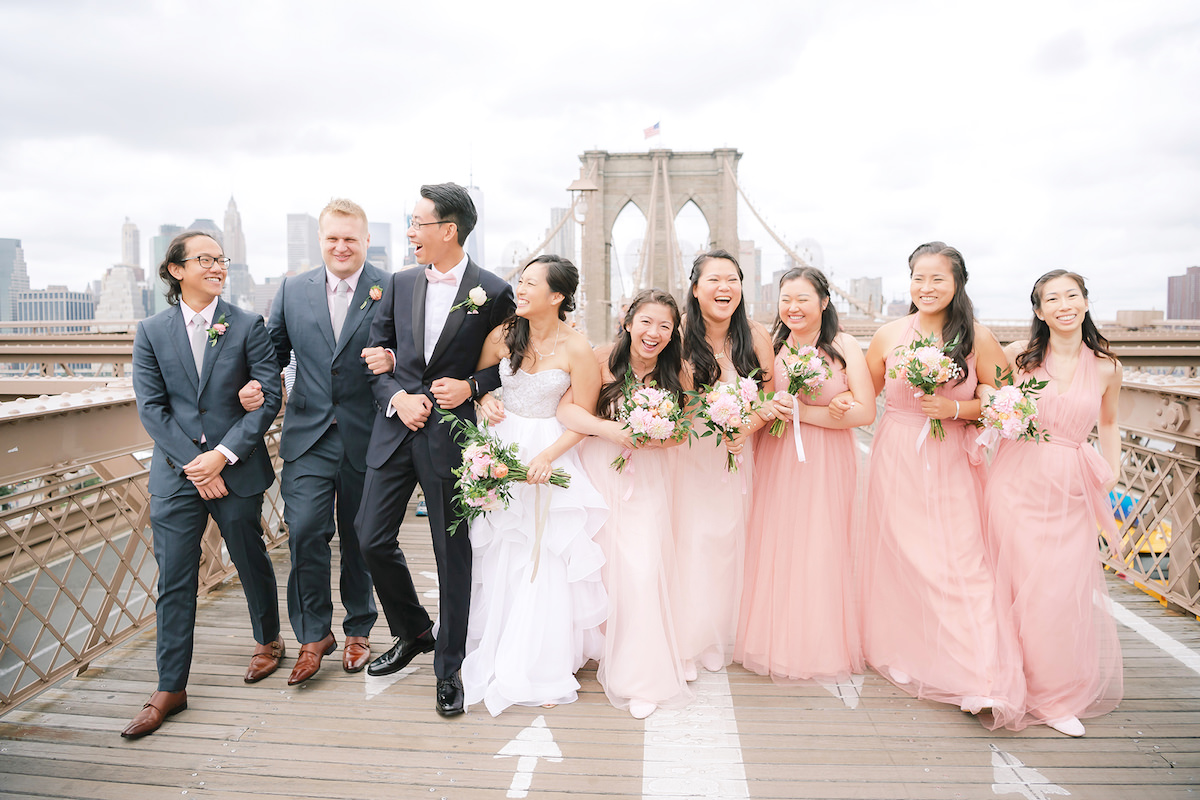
[
  {"x": 1044, "y": 500},
  {"x": 720, "y": 344},
  {"x": 798, "y": 618},
  {"x": 642, "y": 668},
  {"x": 928, "y": 594}
]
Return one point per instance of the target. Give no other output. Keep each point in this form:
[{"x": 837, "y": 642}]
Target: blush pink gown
[
  {"x": 709, "y": 522},
  {"x": 641, "y": 659},
  {"x": 798, "y": 617},
  {"x": 926, "y": 586},
  {"x": 1044, "y": 502}
]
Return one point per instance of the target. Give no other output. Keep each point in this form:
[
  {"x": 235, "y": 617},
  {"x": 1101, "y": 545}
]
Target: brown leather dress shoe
[
  {"x": 356, "y": 653},
  {"x": 309, "y": 660},
  {"x": 265, "y": 660},
  {"x": 161, "y": 706}
]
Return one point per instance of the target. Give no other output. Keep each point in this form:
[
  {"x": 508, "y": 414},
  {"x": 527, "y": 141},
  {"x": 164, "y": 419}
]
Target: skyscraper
[
  {"x": 210, "y": 228},
  {"x": 563, "y": 243},
  {"x": 1183, "y": 294},
  {"x": 131, "y": 248},
  {"x": 235, "y": 239},
  {"x": 13, "y": 277},
  {"x": 380, "y": 251},
  {"x": 303, "y": 243},
  {"x": 121, "y": 296},
  {"x": 56, "y": 303},
  {"x": 474, "y": 246},
  {"x": 156, "y": 292}
]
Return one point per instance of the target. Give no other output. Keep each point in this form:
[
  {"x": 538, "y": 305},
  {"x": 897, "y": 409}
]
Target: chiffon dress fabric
[
  {"x": 536, "y": 607},
  {"x": 927, "y": 591},
  {"x": 709, "y": 519},
  {"x": 798, "y": 618},
  {"x": 642, "y": 660},
  {"x": 1045, "y": 501}
]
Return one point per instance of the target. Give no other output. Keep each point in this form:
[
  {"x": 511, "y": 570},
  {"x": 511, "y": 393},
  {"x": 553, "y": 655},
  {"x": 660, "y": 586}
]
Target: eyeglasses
[
  {"x": 419, "y": 225},
  {"x": 208, "y": 261}
]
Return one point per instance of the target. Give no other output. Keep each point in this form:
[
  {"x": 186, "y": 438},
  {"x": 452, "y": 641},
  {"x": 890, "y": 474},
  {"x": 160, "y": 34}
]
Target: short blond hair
[{"x": 340, "y": 205}]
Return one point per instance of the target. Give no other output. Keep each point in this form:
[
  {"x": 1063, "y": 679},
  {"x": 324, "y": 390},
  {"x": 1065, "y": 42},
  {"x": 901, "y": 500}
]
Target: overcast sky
[{"x": 1031, "y": 135}]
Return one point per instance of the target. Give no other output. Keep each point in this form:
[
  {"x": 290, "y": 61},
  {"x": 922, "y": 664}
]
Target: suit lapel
[
  {"x": 177, "y": 330},
  {"x": 318, "y": 298},
  {"x": 212, "y": 348},
  {"x": 470, "y": 279},
  {"x": 418, "y": 314},
  {"x": 360, "y": 304}
]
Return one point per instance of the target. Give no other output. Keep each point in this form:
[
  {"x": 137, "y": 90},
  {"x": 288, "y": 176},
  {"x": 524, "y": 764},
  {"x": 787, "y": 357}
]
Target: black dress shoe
[
  {"x": 401, "y": 653},
  {"x": 450, "y": 696}
]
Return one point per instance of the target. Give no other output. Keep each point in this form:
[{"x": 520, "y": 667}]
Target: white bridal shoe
[
  {"x": 640, "y": 709},
  {"x": 899, "y": 677},
  {"x": 1069, "y": 726}
]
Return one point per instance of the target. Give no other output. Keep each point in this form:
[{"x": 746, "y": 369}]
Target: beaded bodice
[{"x": 533, "y": 394}]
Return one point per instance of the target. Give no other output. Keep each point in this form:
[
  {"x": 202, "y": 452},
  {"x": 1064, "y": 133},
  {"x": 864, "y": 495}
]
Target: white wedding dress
[{"x": 535, "y": 613}]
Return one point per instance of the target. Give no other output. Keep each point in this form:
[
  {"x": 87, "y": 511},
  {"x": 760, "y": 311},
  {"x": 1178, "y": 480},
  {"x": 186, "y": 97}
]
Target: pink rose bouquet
[
  {"x": 926, "y": 367},
  {"x": 1011, "y": 411},
  {"x": 726, "y": 408},
  {"x": 649, "y": 414},
  {"x": 488, "y": 471},
  {"x": 807, "y": 371}
]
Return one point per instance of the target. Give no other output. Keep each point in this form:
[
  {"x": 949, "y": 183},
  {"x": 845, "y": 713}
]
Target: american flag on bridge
[{"x": 651, "y": 131}]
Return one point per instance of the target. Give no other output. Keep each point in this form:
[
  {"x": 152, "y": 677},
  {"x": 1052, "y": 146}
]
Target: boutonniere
[
  {"x": 218, "y": 329},
  {"x": 475, "y": 300},
  {"x": 375, "y": 293}
]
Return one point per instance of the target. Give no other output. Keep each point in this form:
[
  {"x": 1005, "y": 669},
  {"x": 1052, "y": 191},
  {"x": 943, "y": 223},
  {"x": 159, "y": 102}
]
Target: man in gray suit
[
  {"x": 209, "y": 458},
  {"x": 324, "y": 316}
]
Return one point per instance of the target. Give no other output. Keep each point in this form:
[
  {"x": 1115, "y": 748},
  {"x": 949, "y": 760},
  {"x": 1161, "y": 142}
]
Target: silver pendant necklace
[{"x": 553, "y": 350}]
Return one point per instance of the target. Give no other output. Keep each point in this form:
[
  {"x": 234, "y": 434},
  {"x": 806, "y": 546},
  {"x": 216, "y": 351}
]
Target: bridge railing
[{"x": 77, "y": 569}]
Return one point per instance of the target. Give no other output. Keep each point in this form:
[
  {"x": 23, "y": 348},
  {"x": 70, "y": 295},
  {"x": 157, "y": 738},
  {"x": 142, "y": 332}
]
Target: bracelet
[{"x": 956, "y": 409}]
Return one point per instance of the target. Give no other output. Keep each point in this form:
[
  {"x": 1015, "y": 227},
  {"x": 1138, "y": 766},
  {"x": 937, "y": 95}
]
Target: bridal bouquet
[
  {"x": 489, "y": 469},
  {"x": 650, "y": 414},
  {"x": 926, "y": 367},
  {"x": 806, "y": 371},
  {"x": 725, "y": 408},
  {"x": 1011, "y": 411}
]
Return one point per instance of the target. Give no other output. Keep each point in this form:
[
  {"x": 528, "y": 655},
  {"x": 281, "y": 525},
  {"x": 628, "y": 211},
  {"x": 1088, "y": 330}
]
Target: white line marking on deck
[
  {"x": 435, "y": 592},
  {"x": 530, "y": 744},
  {"x": 375, "y": 684},
  {"x": 695, "y": 752},
  {"x": 847, "y": 691},
  {"x": 1173, "y": 647},
  {"x": 1013, "y": 777}
]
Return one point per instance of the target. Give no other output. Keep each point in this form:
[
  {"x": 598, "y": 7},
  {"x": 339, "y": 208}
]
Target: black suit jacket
[
  {"x": 400, "y": 326},
  {"x": 332, "y": 382}
]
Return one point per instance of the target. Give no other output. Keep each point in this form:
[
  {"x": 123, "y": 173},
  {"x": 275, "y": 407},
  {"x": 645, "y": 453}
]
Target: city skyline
[{"x": 1053, "y": 135}]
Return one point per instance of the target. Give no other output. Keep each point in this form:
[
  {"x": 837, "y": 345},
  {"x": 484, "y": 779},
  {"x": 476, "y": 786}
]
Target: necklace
[
  {"x": 539, "y": 353},
  {"x": 719, "y": 354}
]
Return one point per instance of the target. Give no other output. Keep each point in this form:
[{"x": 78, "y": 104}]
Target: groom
[{"x": 425, "y": 342}]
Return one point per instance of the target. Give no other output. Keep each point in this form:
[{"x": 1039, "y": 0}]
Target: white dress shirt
[
  {"x": 331, "y": 282},
  {"x": 438, "y": 299},
  {"x": 208, "y": 312}
]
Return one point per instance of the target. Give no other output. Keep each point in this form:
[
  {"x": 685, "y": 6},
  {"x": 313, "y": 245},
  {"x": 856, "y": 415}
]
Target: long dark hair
[
  {"x": 829, "y": 315},
  {"x": 696, "y": 349},
  {"x": 176, "y": 252},
  {"x": 561, "y": 277},
  {"x": 1039, "y": 332},
  {"x": 960, "y": 315},
  {"x": 666, "y": 370}
]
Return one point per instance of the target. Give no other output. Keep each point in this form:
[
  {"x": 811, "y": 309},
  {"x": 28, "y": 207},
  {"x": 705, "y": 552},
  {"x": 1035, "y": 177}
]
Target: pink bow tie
[{"x": 433, "y": 276}]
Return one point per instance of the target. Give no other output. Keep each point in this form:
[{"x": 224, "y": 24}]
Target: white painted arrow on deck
[
  {"x": 532, "y": 743},
  {"x": 1013, "y": 777},
  {"x": 375, "y": 684},
  {"x": 847, "y": 691}
]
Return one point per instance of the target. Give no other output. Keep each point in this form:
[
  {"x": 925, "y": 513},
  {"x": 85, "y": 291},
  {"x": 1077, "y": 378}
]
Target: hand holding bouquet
[
  {"x": 725, "y": 410},
  {"x": 1011, "y": 411},
  {"x": 926, "y": 367},
  {"x": 488, "y": 471},
  {"x": 650, "y": 414},
  {"x": 807, "y": 370}
]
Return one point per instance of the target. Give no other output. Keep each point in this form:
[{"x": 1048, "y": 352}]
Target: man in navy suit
[
  {"x": 425, "y": 344},
  {"x": 209, "y": 458},
  {"x": 324, "y": 316}
]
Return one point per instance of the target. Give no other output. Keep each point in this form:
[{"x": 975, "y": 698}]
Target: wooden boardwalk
[{"x": 351, "y": 736}]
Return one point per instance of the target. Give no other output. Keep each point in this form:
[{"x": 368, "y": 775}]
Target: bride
[{"x": 537, "y": 601}]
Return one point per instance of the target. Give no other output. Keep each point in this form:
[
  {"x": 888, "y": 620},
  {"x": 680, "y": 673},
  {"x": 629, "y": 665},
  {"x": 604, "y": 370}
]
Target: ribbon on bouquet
[
  {"x": 540, "y": 513},
  {"x": 796, "y": 428}
]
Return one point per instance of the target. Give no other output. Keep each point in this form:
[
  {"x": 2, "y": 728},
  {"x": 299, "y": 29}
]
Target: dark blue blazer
[
  {"x": 177, "y": 410},
  {"x": 332, "y": 381},
  {"x": 400, "y": 326}
]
